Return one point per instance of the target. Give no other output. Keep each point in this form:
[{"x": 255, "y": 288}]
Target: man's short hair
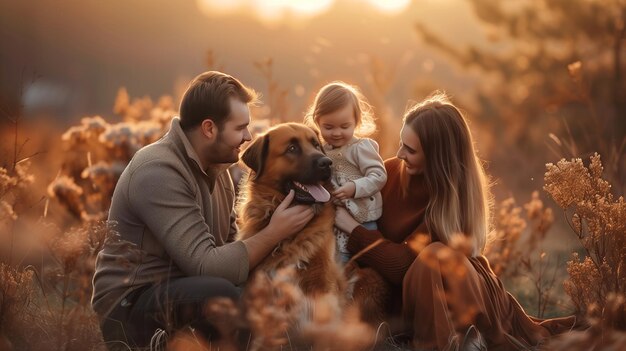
[{"x": 208, "y": 97}]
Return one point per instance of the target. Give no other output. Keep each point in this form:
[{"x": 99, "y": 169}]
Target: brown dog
[{"x": 289, "y": 156}]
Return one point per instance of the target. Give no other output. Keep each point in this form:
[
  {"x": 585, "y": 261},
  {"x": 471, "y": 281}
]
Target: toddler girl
[{"x": 345, "y": 119}]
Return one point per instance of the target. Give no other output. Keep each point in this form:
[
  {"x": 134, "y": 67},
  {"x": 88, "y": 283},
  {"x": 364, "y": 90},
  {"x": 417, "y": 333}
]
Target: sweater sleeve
[
  {"x": 388, "y": 258},
  {"x": 166, "y": 203},
  {"x": 371, "y": 166},
  {"x": 234, "y": 229}
]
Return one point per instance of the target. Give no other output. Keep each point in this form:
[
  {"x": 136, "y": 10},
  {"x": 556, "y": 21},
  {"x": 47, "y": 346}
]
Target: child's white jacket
[{"x": 359, "y": 161}]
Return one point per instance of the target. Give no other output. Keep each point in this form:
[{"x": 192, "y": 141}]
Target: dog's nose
[{"x": 324, "y": 162}]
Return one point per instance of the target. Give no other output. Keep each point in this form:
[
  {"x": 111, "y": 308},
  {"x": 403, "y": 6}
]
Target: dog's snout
[{"x": 323, "y": 162}]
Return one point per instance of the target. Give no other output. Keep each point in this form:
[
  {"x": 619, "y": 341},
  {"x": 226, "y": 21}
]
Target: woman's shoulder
[
  {"x": 393, "y": 163},
  {"x": 393, "y": 167}
]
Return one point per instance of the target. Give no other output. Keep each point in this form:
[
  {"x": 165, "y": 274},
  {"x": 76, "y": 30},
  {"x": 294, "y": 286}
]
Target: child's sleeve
[{"x": 372, "y": 167}]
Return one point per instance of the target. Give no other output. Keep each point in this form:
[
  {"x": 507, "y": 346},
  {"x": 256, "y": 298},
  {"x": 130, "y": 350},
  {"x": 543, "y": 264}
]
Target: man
[{"x": 174, "y": 203}]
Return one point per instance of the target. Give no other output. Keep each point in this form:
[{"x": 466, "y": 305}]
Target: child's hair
[{"x": 336, "y": 95}]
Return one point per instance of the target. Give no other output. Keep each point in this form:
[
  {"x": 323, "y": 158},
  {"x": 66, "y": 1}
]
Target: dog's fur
[{"x": 286, "y": 153}]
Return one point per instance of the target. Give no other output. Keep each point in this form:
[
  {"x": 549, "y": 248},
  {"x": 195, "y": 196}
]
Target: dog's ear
[
  {"x": 319, "y": 140},
  {"x": 255, "y": 155}
]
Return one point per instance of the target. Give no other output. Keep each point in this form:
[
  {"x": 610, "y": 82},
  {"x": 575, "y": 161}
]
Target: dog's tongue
[{"x": 319, "y": 193}]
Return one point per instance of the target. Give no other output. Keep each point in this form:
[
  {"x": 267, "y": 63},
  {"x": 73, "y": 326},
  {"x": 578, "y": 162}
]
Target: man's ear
[
  {"x": 255, "y": 155},
  {"x": 208, "y": 128}
]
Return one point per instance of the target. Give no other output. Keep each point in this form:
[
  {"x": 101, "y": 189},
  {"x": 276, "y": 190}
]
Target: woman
[{"x": 437, "y": 185}]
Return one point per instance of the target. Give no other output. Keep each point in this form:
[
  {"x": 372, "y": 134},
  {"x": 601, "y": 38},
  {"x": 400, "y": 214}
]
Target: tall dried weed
[
  {"x": 517, "y": 255},
  {"x": 47, "y": 307},
  {"x": 97, "y": 152},
  {"x": 598, "y": 219}
]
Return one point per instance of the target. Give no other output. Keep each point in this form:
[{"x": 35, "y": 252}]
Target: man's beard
[{"x": 225, "y": 153}]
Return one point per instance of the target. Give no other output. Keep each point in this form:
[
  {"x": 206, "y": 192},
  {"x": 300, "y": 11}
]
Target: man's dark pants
[{"x": 171, "y": 305}]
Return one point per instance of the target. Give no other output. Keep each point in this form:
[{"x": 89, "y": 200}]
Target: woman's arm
[{"x": 388, "y": 258}]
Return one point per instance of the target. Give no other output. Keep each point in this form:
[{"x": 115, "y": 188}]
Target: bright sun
[
  {"x": 272, "y": 11},
  {"x": 390, "y": 6}
]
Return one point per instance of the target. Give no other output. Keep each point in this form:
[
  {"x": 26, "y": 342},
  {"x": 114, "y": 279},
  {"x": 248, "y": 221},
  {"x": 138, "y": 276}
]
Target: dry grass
[
  {"x": 46, "y": 306},
  {"x": 97, "y": 152},
  {"x": 598, "y": 220},
  {"x": 516, "y": 253}
]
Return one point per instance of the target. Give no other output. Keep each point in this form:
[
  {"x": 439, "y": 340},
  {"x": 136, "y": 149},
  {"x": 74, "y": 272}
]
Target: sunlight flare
[
  {"x": 274, "y": 11},
  {"x": 390, "y": 7},
  {"x": 220, "y": 7}
]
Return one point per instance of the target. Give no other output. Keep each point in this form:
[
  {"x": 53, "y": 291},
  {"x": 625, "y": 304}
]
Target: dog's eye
[{"x": 292, "y": 148}]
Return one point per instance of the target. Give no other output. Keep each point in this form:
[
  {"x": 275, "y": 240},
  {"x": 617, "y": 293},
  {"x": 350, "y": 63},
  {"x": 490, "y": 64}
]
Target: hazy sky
[{"x": 82, "y": 51}]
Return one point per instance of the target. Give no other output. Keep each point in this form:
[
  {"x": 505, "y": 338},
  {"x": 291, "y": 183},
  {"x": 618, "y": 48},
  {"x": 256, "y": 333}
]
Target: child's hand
[{"x": 345, "y": 191}]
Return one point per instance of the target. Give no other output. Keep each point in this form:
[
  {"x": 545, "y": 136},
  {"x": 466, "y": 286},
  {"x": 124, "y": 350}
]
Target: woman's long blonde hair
[
  {"x": 335, "y": 96},
  {"x": 460, "y": 200}
]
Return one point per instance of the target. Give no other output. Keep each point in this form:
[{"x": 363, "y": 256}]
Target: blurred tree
[
  {"x": 277, "y": 106},
  {"x": 553, "y": 66}
]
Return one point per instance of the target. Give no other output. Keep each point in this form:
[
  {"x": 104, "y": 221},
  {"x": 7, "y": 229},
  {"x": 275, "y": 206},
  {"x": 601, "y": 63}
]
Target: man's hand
[
  {"x": 286, "y": 221},
  {"x": 345, "y": 191}
]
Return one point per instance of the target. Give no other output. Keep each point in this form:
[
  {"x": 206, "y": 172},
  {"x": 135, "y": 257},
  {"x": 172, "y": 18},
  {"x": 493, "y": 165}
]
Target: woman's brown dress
[{"x": 442, "y": 290}]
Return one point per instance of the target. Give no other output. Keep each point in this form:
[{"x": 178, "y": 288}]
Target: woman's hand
[
  {"x": 345, "y": 221},
  {"x": 345, "y": 191}
]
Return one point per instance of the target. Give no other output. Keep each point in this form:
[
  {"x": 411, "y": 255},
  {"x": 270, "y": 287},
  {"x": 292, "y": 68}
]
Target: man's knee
[{"x": 203, "y": 288}]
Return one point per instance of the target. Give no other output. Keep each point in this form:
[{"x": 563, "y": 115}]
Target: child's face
[{"x": 337, "y": 127}]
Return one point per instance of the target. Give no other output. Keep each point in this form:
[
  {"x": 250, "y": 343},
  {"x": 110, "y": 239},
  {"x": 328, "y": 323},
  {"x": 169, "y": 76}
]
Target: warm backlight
[{"x": 272, "y": 11}]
